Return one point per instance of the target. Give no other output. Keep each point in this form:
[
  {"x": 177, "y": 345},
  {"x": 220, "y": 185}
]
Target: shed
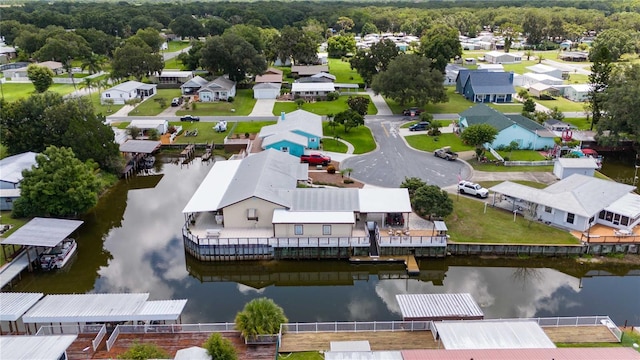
[
  {"x": 52, "y": 347},
  {"x": 429, "y": 307},
  {"x": 514, "y": 334},
  {"x": 565, "y": 167},
  {"x": 266, "y": 90},
  {"x": 160, "y": 125}
]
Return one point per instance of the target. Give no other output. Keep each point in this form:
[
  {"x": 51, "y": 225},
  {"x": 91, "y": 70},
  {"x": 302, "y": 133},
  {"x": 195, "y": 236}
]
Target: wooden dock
[
  {"x": 188, "y": 151},
  {"x": 408, "y": 260}
]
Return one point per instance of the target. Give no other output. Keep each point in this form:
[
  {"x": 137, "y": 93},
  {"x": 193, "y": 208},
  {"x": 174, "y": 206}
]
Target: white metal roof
[
  {"x": 581, "y": 87},
  {"x": 14, "y": 305},
  {"x": 578, "y": 163},
  {"x": 174, "y": 73},
  {"x": 438, "y": 306},
  {"x": 147, "y": 124},
  {"x": 311, "y": 86},
  {"x": 127, "y": 86},
  {"x": 490, "y": 67},
  {"x": 492, "y": 335},
  {"x": 86, "y": 308},
  {"x": 160, "y": 310},
  {"x": 299, "y": 120},
  {"x": 628, "y": 205},
  {"x": 140, "y": 146},
  {"x": 282, "y": 216},
  {"x": 379, "y": 200},
  {"x": 541, "y": 68},
  {"x": 45, "y": 232},
  {"x": 541, "y": 86},
  {"x": 11, "y": 167},
  {"x": 30, "y": 347},
  {"x": 210, "y": 192},
  {"x": 285, "y": 136}
]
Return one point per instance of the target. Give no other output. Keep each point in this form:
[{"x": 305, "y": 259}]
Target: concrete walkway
[
  {"x": 378, "y": 101},
  {"x": 263, "y": 107}
]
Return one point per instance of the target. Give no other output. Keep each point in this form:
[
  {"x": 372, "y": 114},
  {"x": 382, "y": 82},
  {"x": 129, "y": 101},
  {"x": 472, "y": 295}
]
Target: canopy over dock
[
  {"x": 76, "y": 308},
  {"x": 35, "y": 347},
  {"x": 45, "y": 232},
  {"x": 140, "y": 146},
  {"x": 14, "y": 305},
  {"x": 425, "y": 307},
  {"x": 493, "y": 335}
]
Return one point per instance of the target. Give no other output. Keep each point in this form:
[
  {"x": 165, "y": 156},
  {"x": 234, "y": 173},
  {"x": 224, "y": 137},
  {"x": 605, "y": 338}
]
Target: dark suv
[
  {"x": 414, "y": 111},
  {"x": 419, "y": 126}
]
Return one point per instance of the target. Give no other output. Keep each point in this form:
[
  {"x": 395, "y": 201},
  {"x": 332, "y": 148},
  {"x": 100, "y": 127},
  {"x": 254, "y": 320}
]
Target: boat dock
[
  {"x": 187, "y": 153},
  {"x": 13, "y": 269},
  {"x": 408, "y": 260},
  {"x": 207, "y": 153}
]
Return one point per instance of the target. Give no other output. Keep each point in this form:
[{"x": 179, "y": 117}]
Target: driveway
[
  {"x": 263, "y": 107},
  {"x": 393, "y": 160},
  {"x": 381, "y": 105}
]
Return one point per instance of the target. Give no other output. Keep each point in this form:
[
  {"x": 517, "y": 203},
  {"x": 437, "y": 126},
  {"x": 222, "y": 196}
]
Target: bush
[
  {"x": 334, "y": 95},
  {"x": 347, "y": 181},
  {"x": 141, "y": 351},
  {"x": 220, "y": 348},
  {"x": 246, "y": 135},
  {"x": 230, "y": 99},
  {"x": 172, "y": 129},
  {"x": 331, "y": 169}
]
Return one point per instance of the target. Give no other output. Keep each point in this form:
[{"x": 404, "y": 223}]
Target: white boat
[
  {"x": 57, "y": 257},
  {"x": 149, "y": 161}
]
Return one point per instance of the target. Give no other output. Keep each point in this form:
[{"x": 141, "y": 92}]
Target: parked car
[
  {"x": 469, "y": 188},
  {"x": 419, "y": 126},
  {"x": 315, "y": 159},
  {"x": 446, "y": 153},
  {"x": 176, "y": 101},
  {"x": 414, "y": 111},
  {"x": 190, "y": 118}
]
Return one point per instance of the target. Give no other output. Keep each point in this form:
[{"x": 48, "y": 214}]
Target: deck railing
[
  {"x": 572, "y": 321},
  {"x": 112, "y": 339},
  {"x": 69, "y": 329},
  {"x": 98, "y": 339},
  {"x": 278, "y": 242},
  {"x": 355, "y": 326},
  {"x": 528, "y": 163},
  {"x": 407, "y": 240}
]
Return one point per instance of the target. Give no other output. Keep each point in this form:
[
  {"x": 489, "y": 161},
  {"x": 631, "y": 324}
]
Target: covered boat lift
[
  {"x": 436, "y": 307},
  {"x": 137, "y": 151},
  {"x": 52, "y": 347},
  {"x": 13, "y": 306}
]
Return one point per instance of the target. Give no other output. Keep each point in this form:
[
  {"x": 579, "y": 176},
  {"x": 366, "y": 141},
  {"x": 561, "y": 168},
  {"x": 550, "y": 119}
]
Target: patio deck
[
  {"x": 382, "y": 340},
  {"x": 599, "y": 233}
]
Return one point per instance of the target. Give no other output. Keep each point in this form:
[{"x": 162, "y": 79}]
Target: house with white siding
[
  {"x": 220, "y": 89},
  {"x": 126, "y": 91}
]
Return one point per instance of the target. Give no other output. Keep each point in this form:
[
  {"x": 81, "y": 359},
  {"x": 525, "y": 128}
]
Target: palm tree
[
  {"x": 94, "y": 63},
  {"x": 260, "y": 317},
  {"x": 88, "y": 83}
]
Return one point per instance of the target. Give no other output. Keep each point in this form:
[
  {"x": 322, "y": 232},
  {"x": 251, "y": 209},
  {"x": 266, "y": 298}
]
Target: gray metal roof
[
  {"x": 86, "y": 308},
  {"x": 14, "y": 305},
  {"x": 415, "y": 306},
  {"x": 492, "y": 335},
  {"x": 196, "y": 81},
  {"x": 160, "y": 310},
  {"x": 45, "y": 232},
  {"x": 30, "y": 347},
  {"x": 325, "y": 199},
  {"x": 483, "y": 114},
  {"x": 219, "y": 83},
  {"x": 11, "y": 167},
  {"x": 622, "y": 353},
  {"x": 491, "y": 82},
  {"x": 140, "y": 146},
  {"x": 440, "y": 225},
  {"x": 308, "y": 70},
  {"x": 128, "y": 86}
]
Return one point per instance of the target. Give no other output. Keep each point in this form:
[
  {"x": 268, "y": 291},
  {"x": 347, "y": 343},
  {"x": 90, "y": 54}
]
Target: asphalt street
[{"x": 393, "y": 160}]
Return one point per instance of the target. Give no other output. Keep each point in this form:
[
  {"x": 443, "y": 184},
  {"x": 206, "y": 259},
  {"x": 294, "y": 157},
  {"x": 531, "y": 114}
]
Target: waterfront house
[
  {"x": 126, "y": 91},
  {"x": 526, "y": 132},
  {"x": 486, "y": 86},
  {"x": 294, "y": 132},
  {"x": 161, "y": 126},
  {"x": 220, "y": 89},
  {"x": 576, "y": 202},
  {"x": 11, "y": 169}
]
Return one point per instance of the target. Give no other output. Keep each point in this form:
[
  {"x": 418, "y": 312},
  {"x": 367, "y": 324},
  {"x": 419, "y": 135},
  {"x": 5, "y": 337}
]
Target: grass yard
[
  {"x": 580, "y": 123},
  {"x": 242, "y": 104},
  {"x": 443, "y": 123},
  {"x": 5, "y": 218},
  {"x": 177, "y": 45},
  {"x": 343, "y": 72},
  {"x": 533, "y": 184},
  {"x": 102, "y": 109},
  {"x": 251, "y": 127},
  {"x": 500, "y": 168},
  {"x": 309, "y": 355},
  {"x": 173, "y": 63},
  {"x": 469, "y": 223},
  {"x": 206, "y": 134},
  {"x": 520, "y": 68},
  {"x": 320, "y": 107},
  {"x": 629, "y": 337},
  {"x": 17, "y": 91},
  {"x": 575, "y": 78},
  {"x": 333, "y": 145},
  {"x": 425, "y": 142},
  {"x": 360, "y": 137},
  {"x": 563, "y": 104},
  {"x": 150, "y": 107},
  {"x": 456, "y": 104}
]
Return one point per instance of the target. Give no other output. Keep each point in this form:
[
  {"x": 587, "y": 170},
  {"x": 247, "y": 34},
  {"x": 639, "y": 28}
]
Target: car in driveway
[
  {"x": 315, "y": 159},
  {"x": 419, "y": 126},
  {"x": 190, "y": 118},
  {"x": 414, "y": 111},
  {"x": 176, "y": 101},
  {"x": 470, "y": 188}
]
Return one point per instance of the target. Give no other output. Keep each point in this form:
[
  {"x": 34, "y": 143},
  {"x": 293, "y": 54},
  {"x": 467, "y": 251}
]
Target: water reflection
[{"x": 132, "y": 242}]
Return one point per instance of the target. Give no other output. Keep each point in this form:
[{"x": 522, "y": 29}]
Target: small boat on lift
[
  {"x": 58, "y": 256},
  {"x": 149, "y": 161}
]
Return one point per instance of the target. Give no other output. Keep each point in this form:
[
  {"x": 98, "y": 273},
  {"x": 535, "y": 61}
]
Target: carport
[{"x": 13, "y": 306}]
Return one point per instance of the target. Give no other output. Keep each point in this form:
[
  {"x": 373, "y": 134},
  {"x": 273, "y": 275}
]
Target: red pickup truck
[{"x": 315, "y": 159}]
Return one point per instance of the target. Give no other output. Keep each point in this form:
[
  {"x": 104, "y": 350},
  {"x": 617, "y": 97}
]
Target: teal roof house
[
  {"x": 294, "y": 132},
  {"x": 526, "y": 132}
]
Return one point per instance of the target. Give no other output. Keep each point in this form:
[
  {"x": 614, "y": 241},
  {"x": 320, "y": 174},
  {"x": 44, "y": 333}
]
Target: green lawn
[
  {"x": 520, "y": 155},
  {"x": 320, "y": 107},
  {"x": 429, "y": 143},
  {"x": 500, "y": 168},
  {"x": 251, "y": 127},
  {"x": 360, "y": 137},
  {"x": 309, "y": 355},
  {"x": 443, "y": 123},
  {"x": 333, "y": 145},
  {"x": 577, "y": 79},
  {"x": 629, "y": 337},
  {"x": 469, "y": 223},
  {"x": 206, "y": 134},
  {"x": 5, "y": 218},
  {"x": 173, "y": 63},
  {"x": 580, "y": 123},
  {"x": 177, "y": 45},
  {"x": 102, "y": 109},
  {"x": 16, "y": 91},
  {"x": 241, "y": 106},
  {"x": 562, "y": 104},
  {"x": 343, "y": 73},
  {"x": 520, "y": 68},
  {"x": 456, "y": 104},
  {"x": 537, "y": 185},
  {"x": 150, "y": 107}
]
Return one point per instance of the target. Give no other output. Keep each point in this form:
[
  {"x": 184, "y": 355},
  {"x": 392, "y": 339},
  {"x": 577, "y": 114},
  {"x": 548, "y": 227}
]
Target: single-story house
[
  {"x": 144, "y": 125},
  {"x": 545, "y": 69},
  {"x": 565, "y": 167},
  {"x": 11, "y": 169},
  {"x": 193, "y": 85},
  {"x": 576, "y": 202},
  {"x": 451, "y": 74},
  {"x": 308, "y": 70},
  {"x": 534, "y": 78},
  {"x": 56, "y": 67},
  {"x": 324, "y": 75},
  {"x": 491, "y": 67},
  {"x": 526, "y": 132},
  {"x": 20, "y": 74},
  {"x": 486, "y": 86},
  {"x": 128, "y": 90},
  {"x": 266, "y": 90},
  {"x": 573, "y": 56},
  {"x": 272, "y": 75},
  {"x": 259, "y": 195},
  {"x": 499, "y": 57},
  {"x": 7, "y": 197},
  {"x": 220, "y": 89},
  {"x": 556, "y": 125},
  {"x": 7, "y": 53},
  {"x": 540, "y": 89},
  {"x": 294, "y": 132},
  {"x": 577, "y": 92},
  {"x": 312, "y": 90},
  {"x": 566, "y": 45},
  {"x": 171, "y": 77}
]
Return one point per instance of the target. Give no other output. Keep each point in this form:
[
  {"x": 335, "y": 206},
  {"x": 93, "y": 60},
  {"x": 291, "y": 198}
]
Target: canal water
[{"x": 132, "y": 242}]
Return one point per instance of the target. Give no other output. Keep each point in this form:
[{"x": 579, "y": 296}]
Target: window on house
[
  {"x": 570, "y": 218},
  {"x": 107, "y": 95},
  {"x": 284, "y": 149},
  {"x": 326, "y": 229},
  {"x": 252, "y": 214},
  {"x": 624, "y": 221},
  {"x": 298, "y": 230},
  {"x": 602, "y": 214},
  {"x": 547, "y": 209}
]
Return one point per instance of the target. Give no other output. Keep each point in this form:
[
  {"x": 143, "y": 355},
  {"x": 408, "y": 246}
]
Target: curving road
[{"x": 394, "y": 160}]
